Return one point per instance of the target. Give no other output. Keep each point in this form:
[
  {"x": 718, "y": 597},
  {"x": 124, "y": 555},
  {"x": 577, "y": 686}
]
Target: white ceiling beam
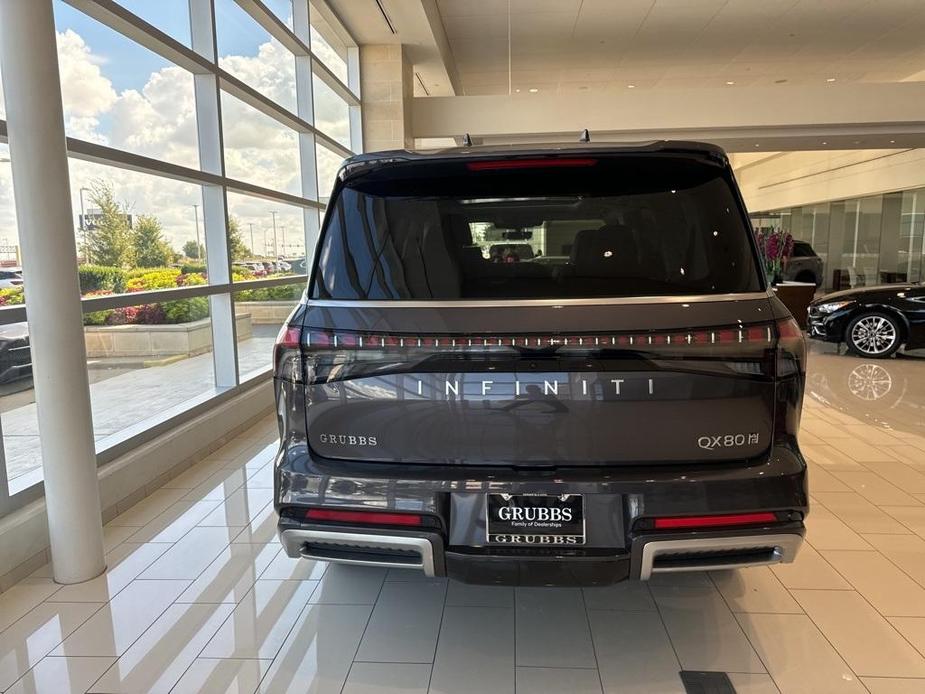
[
  {"x": 800, "y": 118},
  {"x": 442, "y": 43}
]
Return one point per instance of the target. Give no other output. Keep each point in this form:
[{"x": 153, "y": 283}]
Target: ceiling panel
[{"x": 570, "y": 45}]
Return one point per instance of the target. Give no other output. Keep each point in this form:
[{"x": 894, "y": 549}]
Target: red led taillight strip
[
  {"x": 691, "y": 522},
  {"x": 364, "y": 517},
  {"x": 763, "y": 334}
]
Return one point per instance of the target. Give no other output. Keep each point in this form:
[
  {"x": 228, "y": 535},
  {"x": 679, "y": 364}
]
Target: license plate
[{"x": 535, "y": 519}]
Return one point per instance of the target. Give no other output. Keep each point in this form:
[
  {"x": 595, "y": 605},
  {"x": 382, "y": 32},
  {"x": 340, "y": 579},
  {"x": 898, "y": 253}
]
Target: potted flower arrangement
[{"x": 776, "y": 247}]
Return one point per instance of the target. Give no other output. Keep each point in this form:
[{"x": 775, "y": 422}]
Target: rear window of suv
[{"x": 587, "y": 227}]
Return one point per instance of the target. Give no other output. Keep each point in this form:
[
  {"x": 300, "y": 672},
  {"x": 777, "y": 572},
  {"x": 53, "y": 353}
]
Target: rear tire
[{"x": 874, "y": 335}]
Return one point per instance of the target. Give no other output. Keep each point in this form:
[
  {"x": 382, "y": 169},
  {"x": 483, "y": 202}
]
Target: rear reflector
[
  {"x": 688, "y": 522},
  {"x": 287, "y": 354},
  {"x": 363, "y": 517},
  {"x": 507, "y": 164},
  {"x": 789, "y": 328}
]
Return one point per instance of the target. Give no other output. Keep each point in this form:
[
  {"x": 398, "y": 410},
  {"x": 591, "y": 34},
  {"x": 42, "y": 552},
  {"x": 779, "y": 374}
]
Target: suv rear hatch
[{"x": 554, "y": 310}]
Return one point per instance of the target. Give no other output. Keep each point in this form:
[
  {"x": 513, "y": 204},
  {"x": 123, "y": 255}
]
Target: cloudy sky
[{"x": 117, "y": 93}]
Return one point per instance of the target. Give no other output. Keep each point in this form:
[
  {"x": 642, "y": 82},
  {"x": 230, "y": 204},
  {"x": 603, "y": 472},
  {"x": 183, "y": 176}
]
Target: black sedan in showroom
[{"x": 872, "y": 321}]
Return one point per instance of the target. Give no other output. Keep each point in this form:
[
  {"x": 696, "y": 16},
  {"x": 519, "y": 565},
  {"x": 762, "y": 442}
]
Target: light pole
[
  {"x": 282, "y": 232},
  {"x": 251, "y": 225},
  {"x": 83, "y": 225},
  {"x": 6, "y": 160},
  {"x": 275, "y": 245},
  {"x": 199, "y": 253}
]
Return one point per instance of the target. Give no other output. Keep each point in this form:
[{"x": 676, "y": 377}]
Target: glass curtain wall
[
  {"x": 193, "y": 217},
  {"x": 877, "y": 239}
]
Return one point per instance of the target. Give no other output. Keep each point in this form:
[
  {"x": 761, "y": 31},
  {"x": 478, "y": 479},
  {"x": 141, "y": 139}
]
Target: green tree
[
  {"x": 110, "y": 239},
  {"x": 237, "y": 249},
  {"x": 151, "y": 250},
  {"x": 191, "y": 249}
]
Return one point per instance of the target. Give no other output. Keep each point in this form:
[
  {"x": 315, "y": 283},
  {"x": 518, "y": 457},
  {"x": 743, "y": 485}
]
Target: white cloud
[
  {"x": 85, "y": 91},
  {"x": 159, "y": 121}
]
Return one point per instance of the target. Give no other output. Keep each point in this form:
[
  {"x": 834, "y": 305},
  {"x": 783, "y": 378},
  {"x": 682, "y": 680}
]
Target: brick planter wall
[
  {"x": 156, "y": 341},
  {"x": 267, "y": 312}
]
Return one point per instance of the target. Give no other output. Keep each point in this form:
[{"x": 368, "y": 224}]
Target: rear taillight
[
  {"x": 363, "y": 517},
  {"x": 791, "y": 348},
  {"x": 753, "y": 335},
  {"x": 287, "y": 354},
  {"x": 338, "y": 355},
  {"x": 720, "y": 521}
]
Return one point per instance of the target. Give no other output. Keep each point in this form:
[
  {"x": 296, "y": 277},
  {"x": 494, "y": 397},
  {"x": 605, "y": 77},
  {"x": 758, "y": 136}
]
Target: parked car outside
[
  {"x": 255, "y": 268},
  {"x": 628, "y": 409},
  {"x": 804, "y": 265},
  {"x": 10, "y": 277},
  {"x": 872, "y": 321},
  {"x": 15, "y": 355}
]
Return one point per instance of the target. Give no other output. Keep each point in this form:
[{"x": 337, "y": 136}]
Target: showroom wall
[
  {"x": 863, "y": 211},
  {"x": 875, "y": 239},
  {"x": 198, "y": 170}
]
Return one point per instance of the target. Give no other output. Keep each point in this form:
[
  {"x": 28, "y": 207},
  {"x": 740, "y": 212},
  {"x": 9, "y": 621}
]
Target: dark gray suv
[{"x": 540, "y": 366}]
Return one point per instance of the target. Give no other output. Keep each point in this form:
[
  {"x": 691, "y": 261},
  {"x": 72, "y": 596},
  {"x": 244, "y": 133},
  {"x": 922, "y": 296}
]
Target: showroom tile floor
[{"x": 198, "y": 596}]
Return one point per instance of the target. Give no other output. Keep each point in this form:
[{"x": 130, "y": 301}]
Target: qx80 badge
[{"x": 713, "y": 442}]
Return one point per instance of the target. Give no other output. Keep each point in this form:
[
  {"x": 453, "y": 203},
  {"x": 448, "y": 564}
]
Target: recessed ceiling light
[
  {"x": 730, "y": 82},
  {"x": 857, "y": 142},
  {"x": 757, "y": 145},
  {"x": 631, "y": 86},
  {"x": 533, "y": 90},
  {"x": 517, "y": 90},
  {"x": 824, "y": 142},
  {"x": 830, "y": 79},
  {"x": 892, "y": 142}
]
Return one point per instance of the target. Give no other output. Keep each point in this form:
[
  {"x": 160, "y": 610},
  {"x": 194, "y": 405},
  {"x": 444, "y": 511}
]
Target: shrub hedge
[{"x": 101, "y": 278}]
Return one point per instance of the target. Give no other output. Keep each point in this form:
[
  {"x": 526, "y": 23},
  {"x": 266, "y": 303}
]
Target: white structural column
[
  {"x": 387, "y": 80},
  {"x": 35, "y": 122}
]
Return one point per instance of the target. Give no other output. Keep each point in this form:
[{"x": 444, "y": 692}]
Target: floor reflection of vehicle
[
  {"x": 873, "y": 321},
  {"x": 15, "y": 357},
  {"x": 885, "y": 393}
]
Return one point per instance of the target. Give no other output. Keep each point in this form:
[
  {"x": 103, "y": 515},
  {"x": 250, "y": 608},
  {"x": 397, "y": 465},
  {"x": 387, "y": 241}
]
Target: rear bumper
[
  {"x": 648, "y": 555},
  {"x": 620, "y": 543}
]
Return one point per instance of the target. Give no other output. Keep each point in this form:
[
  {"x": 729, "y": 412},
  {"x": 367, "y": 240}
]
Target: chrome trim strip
[
  {"x": 504, "y": 303},
  {"x": 293, "y": 541},
  {"x": 785, "y": 550}
]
